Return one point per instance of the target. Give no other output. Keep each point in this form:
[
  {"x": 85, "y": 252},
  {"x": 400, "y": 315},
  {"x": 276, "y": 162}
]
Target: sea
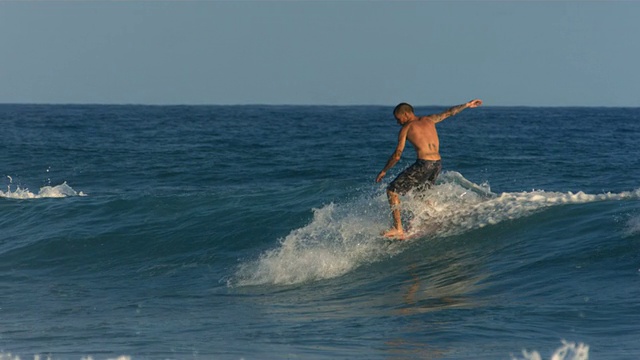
[{"x": 253, "y": 232}]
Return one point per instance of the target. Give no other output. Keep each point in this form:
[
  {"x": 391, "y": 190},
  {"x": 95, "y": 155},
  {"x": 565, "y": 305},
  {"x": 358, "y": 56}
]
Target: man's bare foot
[{"x": 394, "y": 234}]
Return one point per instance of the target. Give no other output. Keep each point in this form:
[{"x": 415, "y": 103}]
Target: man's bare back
[{"x": 423, "y": 136}]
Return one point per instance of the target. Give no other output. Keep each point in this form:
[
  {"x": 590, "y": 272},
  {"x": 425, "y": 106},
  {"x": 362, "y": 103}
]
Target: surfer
[{"x": 421, "y": 133}]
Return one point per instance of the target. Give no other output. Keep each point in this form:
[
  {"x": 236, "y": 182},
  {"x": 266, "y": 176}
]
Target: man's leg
[{"x": 397, "y": 231}]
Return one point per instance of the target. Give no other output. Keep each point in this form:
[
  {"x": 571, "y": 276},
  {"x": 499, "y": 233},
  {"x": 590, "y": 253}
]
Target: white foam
[
  {"x": 568, "y": 351},
  {"x": 341, "y": 237},
  {"x": 58, "y": 191}
]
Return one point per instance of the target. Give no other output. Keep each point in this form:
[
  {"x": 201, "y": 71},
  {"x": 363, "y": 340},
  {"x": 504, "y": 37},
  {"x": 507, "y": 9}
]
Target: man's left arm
[{"x": 436, "y": 118}]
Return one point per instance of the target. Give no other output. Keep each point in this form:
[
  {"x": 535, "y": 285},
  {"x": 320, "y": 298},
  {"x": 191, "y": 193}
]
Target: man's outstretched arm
[{"x": 454, "y": 110}]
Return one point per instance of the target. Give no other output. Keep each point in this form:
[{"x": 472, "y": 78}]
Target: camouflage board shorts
[{"x": 422, "y": 174}]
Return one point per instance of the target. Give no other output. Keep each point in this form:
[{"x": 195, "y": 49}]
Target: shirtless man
[{"x": 421, "y": 133}]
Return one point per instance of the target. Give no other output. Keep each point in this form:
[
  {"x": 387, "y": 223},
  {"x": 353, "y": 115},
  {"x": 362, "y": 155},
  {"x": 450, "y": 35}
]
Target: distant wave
[
  {"x": 342, "y": 237},
  {"x": 58, "y": 191}
]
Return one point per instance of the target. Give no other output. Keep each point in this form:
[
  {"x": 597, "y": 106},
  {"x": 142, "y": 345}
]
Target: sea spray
[{"x": 338, "y": 239}]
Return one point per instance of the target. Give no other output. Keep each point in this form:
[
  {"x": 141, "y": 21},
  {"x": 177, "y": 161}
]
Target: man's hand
[
  {"x": 380, "y": 176},
  {"x": 474, "y": 103}
]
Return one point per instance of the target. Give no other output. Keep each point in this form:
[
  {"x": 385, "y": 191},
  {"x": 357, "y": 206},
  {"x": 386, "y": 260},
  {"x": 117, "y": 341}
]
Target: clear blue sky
[{"x": 546, "y": 53}]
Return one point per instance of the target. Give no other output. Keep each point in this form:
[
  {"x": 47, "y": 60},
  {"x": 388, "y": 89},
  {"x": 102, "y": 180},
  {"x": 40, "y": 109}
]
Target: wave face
[{"x": 342, "y": 237}]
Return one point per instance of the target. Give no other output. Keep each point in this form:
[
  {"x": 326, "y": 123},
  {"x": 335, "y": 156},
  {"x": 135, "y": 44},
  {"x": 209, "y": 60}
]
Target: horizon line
[{"x": 294, "y": 105}]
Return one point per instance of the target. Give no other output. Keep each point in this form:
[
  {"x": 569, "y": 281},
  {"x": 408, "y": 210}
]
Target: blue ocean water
[{"x": 251, "y": 232}]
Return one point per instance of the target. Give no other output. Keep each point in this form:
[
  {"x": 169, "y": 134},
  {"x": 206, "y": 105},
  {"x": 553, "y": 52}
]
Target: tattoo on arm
[
  {"x": 456, "y": 109},
  {"x": 450, "y": 112}
]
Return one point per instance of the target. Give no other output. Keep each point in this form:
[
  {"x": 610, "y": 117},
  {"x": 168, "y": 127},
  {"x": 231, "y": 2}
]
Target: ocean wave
[{"x": 342, "y": 237}]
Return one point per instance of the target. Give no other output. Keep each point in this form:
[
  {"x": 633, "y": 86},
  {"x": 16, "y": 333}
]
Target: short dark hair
[{"x": 403, "y": 108}]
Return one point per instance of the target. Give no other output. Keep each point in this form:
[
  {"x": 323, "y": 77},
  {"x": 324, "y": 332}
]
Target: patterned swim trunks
[{"x": 422, "y": 174}]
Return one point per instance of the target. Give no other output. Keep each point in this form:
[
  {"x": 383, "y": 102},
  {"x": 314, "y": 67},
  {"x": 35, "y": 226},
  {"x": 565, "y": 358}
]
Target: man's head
[{"x": 403, "y": 113}]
